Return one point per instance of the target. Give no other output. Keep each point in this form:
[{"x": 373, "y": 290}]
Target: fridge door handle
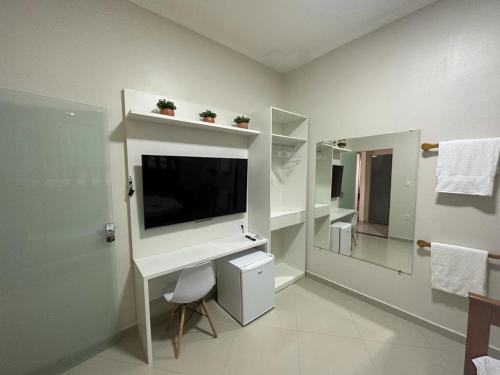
[{"x": 258, "y": 264}]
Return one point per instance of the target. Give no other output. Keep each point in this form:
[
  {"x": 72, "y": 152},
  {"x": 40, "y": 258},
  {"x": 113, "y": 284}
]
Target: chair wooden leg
[
  {"x": 205, "y": 308},
  {"x": 174, "y": 309},
  {"x": 181, "y": 331}
]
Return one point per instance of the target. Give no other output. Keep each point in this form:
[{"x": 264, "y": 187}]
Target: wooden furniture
[
  {"x": 151, "y": 267},
  {"x": 424, "y": 243},
  {"x": 483, "y": 312},
  {"x": 277, "y": 189}
]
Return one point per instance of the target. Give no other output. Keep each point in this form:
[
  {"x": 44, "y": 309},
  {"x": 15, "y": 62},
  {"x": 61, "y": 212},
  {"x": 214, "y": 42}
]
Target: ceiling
[{"x": 283, "y": 34}]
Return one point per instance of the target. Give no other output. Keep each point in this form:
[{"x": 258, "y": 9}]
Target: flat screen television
[
  {"x": 337, "y": 172},
  {"x": 178, "y": 189}
]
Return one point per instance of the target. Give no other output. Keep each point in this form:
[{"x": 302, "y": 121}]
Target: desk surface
[
  {"x": 171, "y": 261},
  {"x": 337, "y": 213}
]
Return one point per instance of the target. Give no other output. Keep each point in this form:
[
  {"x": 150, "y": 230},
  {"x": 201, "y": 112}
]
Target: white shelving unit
[
  {"x": 286, "y": 140},
  {"x": 186, "y": 123},
  {"x": 285, "y": 217},
  {"x": 277, "y": 189}
]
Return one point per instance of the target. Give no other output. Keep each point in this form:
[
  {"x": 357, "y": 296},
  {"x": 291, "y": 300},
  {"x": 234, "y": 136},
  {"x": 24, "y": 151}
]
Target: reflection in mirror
[{"x": 365, "y": 198}]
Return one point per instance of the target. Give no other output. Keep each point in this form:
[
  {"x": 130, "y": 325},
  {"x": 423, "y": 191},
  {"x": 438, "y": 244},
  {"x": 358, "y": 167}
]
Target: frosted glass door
[{"x": 57, "y": 276}]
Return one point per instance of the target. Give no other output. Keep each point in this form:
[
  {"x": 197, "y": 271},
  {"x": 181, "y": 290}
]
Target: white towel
[
  {"x": 468, "y": 166},
  {"x": 487, "y": 365},
  {"x": 458, "y": 270}
]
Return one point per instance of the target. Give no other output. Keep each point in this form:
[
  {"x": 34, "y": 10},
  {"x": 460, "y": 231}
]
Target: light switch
[{"x": 408, "y": 183}]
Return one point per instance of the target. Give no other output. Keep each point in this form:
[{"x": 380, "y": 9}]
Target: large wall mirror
[{"x": 365, "y": 198}]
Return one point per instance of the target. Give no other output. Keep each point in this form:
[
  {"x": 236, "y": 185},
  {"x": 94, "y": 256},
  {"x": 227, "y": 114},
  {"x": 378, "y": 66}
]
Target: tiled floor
[{"x": 314, "y": 329}]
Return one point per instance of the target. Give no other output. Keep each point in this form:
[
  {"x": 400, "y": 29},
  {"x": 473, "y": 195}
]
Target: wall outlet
[
  {"x": 242, "y": 225},
  {"x": 406, "y": 217}
]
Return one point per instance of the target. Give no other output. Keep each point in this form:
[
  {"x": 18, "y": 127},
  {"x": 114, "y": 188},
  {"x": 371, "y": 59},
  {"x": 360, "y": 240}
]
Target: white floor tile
[
  {"x": 103, "y": 366},
  {"x": 329, "y": 355},
  {"x": 392, "y": 359},
  {"x": 128, "y": 350},
  {"x": 284, "y": 314},
  {"x": 324, "y": 318},
  {"x": 200, "y": 352},
  {"x": 263, "y": 350},
  {"x": 314, "y": 329},
  {"x": 379, "y": 325}
]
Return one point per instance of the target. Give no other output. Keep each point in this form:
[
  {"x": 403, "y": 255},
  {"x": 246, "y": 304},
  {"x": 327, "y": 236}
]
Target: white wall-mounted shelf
[
  {"x": 287, "y": 217},
  {"x": 336, "y": 148},
  {"x": 321, "y": 210},
  {"x": 287, "y": 140},
  {"x": 186, "y": 123}
]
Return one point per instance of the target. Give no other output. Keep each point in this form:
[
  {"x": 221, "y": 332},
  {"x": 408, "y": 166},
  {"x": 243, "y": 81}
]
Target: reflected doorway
[{"x": 374, "y": 192}]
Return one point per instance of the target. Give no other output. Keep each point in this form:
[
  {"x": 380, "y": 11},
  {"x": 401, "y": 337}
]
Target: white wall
[
  {"x": 436, "y": 70},
  {"x": 89, "y": 50}
]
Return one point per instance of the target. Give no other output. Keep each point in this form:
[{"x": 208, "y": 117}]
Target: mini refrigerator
[
  {"x": 245, "y": 285},
  {"x": 341, "y": 238}
]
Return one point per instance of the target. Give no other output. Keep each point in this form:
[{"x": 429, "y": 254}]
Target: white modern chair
[{"x": 193, "y": 284}]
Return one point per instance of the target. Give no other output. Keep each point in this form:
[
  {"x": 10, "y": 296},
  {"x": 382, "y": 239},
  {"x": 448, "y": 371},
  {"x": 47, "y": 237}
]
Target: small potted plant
[
  {"x": 242, "y": 122},
  {"x": 341, "y": 143},
  {"x": 166, "y": 107},
  {"x": 208, "y": 116}
]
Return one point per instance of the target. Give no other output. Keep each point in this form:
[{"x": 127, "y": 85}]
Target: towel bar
[
  {"x": 424, "y": 243},
  {"x": 429, "y": 146}
]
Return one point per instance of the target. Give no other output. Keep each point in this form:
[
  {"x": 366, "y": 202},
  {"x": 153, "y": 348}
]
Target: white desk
[
  {"x": 337, "y": 213},
  {"x": 151, "y": 267}
]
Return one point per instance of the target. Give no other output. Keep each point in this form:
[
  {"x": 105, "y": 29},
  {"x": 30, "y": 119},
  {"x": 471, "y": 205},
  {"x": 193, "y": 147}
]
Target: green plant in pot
[
  {"x": 242, "y": 122},
  {"x": 208, "y": 116},
  {"x": 341, "y": 143},
  {"x": 166, "y": 107}
]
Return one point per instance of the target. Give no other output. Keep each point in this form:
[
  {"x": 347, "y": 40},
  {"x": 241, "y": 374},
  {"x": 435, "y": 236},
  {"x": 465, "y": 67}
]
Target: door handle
[{"x": 109, "y": 231}]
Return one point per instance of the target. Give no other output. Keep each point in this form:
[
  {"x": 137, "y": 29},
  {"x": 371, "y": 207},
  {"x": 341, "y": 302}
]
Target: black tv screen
[
  {"x": 177, "y": 189},
  {"x": 337, "y": 171}
]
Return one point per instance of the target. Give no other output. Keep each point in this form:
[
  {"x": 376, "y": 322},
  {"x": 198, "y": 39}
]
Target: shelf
[
  {"x": 174, "y": 121},
  {"x": 286, "y": 140},
  {"x": 337, "y": 213},
  {"x": 285, "y": 275},
  {"x": 286, "y": 217},
  {"x": 282, "y": 116},
  {"x": 321, "y": 210},
  {"x": 336, "y": 148}
]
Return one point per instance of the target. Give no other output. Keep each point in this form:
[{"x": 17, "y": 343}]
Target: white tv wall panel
[{"x": 146, "y": 137}]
